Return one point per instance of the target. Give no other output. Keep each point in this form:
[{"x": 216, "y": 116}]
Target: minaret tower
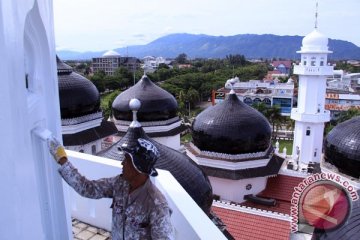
[{"x": 310, "y": 115}]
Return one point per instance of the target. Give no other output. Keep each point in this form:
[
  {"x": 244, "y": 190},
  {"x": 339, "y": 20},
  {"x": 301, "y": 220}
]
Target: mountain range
[{"x": 205, "y": 46}]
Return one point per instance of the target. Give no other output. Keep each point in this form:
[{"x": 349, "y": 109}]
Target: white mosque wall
[
  {"x": 32, "y": 202},
  {"x": 189, "y": 221},
  {"x": 169, "y": 141},
  {"x": 235, "y": 190}
]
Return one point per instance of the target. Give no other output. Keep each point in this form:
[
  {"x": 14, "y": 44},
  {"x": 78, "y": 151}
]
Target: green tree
[
  {"x": 274, "y": 116},
  {"x": 98, "y": 80},
  {"x": 181, "y": 58},
  {"x": 106, "y": 102}
]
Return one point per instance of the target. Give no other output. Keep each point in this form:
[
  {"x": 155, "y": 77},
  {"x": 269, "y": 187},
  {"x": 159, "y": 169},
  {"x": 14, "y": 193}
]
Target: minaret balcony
[
  {"x": 318, "y": 117},
  {"x": 313, "y": 70}
]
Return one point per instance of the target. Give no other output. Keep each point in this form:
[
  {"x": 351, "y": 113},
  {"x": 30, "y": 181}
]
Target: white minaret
[{"x": 310, "y": 115}]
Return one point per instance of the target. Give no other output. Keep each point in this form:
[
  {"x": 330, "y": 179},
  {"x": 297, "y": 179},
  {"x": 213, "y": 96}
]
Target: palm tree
[{"x": 274, "y": 116}]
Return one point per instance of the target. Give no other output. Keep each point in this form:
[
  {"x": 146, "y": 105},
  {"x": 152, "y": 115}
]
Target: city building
[
  {"x": 110, "y": 61},
  {"x": 342, "y": 92},
  {"x": 82, "y": 123},
  {"x": 283, "y": 67},
  {"x": 257, "y": 91},
  {"x": 152, "y": 63}
]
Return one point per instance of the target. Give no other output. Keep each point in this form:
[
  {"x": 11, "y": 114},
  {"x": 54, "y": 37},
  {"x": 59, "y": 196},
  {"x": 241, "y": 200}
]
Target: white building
[
  {"x": 310, "y": 115},
  {"x": 152, "y": 63},
  {"x": 35, "y": 204},
  {"x": 256, "y": 91},
  {"x": 111, "y": 60}
]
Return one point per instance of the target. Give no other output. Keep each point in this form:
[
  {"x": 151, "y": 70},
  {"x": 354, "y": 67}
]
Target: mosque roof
[
  {"x": 342, "y": 147},
  {"x": 186, "y": 172},
  {"x": 81, "y": 138},
  {"x": 156, "y": 103},
  {"x": 78, "y": 95},
  {"x": 231, "y": 127},
  {"x": 315, "y": 42}
]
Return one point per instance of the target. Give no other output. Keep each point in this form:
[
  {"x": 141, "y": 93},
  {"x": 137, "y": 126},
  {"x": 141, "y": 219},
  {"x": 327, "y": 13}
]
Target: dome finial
[
  {"x": 134, "y": 105},
  {"x": 316, "y": 15},
  {"x": 232, "y": 83}
]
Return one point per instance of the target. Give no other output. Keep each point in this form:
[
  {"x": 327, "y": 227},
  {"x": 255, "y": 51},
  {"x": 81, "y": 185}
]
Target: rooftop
[
  {"x": 280, "y": 188},
  {"x": 248, "y": 223}
]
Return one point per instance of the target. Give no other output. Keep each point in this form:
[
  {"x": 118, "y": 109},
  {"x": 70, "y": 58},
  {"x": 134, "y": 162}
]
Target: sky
[{"x": 99, "y": 25}]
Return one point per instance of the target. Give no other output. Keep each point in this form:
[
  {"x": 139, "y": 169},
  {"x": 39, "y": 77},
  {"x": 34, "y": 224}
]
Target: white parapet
[
  {"x": 189, "y": 221},
  {"x": 308, "y": 70}
]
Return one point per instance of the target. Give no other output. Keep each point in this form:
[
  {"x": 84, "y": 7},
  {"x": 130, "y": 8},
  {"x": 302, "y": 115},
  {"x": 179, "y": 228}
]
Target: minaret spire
[{"x": 316, "y": 15}]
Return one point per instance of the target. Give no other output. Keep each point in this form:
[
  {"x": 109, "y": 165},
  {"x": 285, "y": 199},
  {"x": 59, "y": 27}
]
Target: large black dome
[
  {"x": 342, "y": 147},
  {"x": 184, "y": 170},
  {"x": 78, "y": 95},
  {"x": 156, "y": 103},
  {"x": 231, "y": 127}
]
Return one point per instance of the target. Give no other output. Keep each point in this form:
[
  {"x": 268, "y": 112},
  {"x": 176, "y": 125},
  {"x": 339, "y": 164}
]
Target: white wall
[
  {"x": 170, "y": 141},
  {"x": 32, "y": 199},
  {"x": 235, "y": 190},
  {"x": 189, "y": 221}
]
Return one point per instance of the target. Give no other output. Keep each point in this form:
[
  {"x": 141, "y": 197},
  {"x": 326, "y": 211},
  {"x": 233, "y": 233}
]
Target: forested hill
[{"x": 205, "y": 46}]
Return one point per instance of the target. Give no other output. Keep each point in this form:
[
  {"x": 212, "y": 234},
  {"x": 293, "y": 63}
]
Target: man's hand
[{"x": 57, "y": 150}]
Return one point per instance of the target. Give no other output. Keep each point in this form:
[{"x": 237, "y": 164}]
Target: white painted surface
[
  {"x": 189, "y": 221},
  {"x": 32, "y": 197},
  {"x": 310, "y": 115},
  {"x": 235, "y": 190},
  {"x": 170, "y": 141}
]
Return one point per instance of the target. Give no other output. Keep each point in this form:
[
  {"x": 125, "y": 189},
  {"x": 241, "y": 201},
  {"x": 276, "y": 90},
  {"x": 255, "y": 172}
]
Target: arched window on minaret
[
  {"x": 313, "y": 61},
  {"x": 308, "y": 131}
]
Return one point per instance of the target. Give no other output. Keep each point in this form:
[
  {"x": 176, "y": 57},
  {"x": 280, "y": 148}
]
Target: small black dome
[
  {"x": 342, "y": 147},
  {"x": 231, "y": 127},
  {"x": 156, "y": 103},
  {"x": 78, "y": 95},
  {"x": 184, "y": 170}
]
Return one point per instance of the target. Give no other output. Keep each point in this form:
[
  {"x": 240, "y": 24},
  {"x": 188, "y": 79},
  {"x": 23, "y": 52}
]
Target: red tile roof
[
  {"x": 244, "y": 225},
  {"x": 280, "y": 207},
  {"x": 286, "y": 63},
  {"x": 280, "y": 188}
]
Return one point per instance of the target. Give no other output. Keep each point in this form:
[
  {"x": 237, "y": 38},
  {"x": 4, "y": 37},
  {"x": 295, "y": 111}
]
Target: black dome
[
  {"x": 184, "y": 170},
  {"x": 231, "y": 127},
  {"x": 342, "y": 147},
  {"x": 156, "y": 103},
  {"x": 78, "y": 95}
]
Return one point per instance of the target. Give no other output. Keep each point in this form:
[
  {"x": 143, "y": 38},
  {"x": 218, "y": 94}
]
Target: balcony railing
[
  {"x": 189, "y": 221},
  {"x": 312, "y": 70}
]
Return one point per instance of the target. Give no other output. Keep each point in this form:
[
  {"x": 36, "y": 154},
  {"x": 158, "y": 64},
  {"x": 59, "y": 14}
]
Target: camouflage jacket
[{"x": 142, "y": 214}]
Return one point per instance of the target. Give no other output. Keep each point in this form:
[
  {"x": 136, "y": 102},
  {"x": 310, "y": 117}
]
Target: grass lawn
[
  {"x": 186, "y": 138},
  {"x": 285, "y": 143},
  {"x": 105, "y": 98}
]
